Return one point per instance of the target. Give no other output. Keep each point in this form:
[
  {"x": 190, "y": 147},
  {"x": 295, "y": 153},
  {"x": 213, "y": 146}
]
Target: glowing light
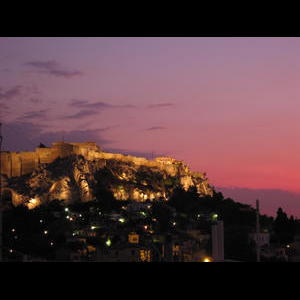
[
  {"x": 108, "y": 242},
  {"x": 288, "y": 246},
  {"x": 13, "y": 230},
  {"x": 93, "y": 227},
  {"x": 215, "y": 216},
  {"x": 51, "y": 244},
  {"x": 66, "y": 209},
  {"x": 45, "y": 232},
  {"x": 32, "y": 203},
  {"x": 80, "y": 215},
  {"x": 121, "y": 220},
  {"x": 174, "y": 223},
  {"x": 41, "y": 221},
  {"x": 206, "y": 259},
  {"x": 146, "y": 227},
  {"x": 67, "y": 217},
  {"x": 11, "y": 250}
]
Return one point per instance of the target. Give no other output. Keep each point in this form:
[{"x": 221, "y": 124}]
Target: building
[
  {"x": 125, "y": 253},
  {"x": 262, "y": 238}
]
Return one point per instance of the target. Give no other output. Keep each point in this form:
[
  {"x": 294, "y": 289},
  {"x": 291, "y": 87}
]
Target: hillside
[{"x": 74, "y": 178}]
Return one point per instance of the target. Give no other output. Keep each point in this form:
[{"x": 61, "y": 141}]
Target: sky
[{"x": 226, "y": 106}]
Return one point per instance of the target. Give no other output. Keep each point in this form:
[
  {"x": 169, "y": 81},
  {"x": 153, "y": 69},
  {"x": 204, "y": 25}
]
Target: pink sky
[{"x": 226, "y": 106}]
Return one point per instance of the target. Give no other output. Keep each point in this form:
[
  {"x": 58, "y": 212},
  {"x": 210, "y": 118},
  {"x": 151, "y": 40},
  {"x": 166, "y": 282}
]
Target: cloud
[
  {"x": 35, "y": 100},
  {"x": 97, "y": 105},
  {"x": 160, "y": 105},
  {"x": 82, "y": 114},
  {"x": 52, "y": 67},
  {"x": 20, "y": 136},
  {"x": 37, "y": 115},
  {"x": 156, "y": 128},
  {"x": 5, "y": 70},
  {"x": 10, "y": 93}
]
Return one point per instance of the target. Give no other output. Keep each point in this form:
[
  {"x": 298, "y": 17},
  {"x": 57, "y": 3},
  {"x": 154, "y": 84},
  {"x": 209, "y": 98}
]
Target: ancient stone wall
[{"x": 20, "y": 163}]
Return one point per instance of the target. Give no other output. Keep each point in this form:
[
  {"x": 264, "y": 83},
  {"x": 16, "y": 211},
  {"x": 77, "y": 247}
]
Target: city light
[
  {"x": 207, "y": 259},
  {"x": 66, "y": 209},
  {"x": 108, "y": 242},
  {"x": 13, "y": 230},
  {"x": 45, "y": 232},
  {"x": 93, "y": 227},
  {"x": 215, "y": 216},
  {"x": 41, "y": 221},
  {"x": 122, "y": 220}
]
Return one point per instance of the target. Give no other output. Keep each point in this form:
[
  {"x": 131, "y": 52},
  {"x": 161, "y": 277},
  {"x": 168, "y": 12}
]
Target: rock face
[{"x": 75, "y": 177}]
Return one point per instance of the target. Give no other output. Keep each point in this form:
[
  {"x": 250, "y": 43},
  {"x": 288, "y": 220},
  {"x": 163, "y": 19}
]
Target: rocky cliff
[{"x": 75, "y": 178}]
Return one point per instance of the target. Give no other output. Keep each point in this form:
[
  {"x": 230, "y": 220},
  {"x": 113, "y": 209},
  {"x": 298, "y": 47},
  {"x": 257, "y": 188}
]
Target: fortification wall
[
  {"x": 27, "y": 162},
  {"x": 20, "y": 163},
  {"x": 6, "y": 163}
]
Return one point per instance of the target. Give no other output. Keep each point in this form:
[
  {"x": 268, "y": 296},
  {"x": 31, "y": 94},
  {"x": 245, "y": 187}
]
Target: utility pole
[
  {"x": 257, "y": 232},
  {"x": 1, "y": 220}
]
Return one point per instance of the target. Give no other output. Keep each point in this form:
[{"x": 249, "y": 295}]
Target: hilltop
[{"x": 76, "y": 176}]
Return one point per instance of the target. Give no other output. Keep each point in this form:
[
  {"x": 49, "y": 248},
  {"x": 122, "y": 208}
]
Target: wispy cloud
[
  {"x": 36, "y": 115},
  {"x": 7, "y": 94},
  {"x": 160, "y": 105},
  {"x": 81, "y": 114},
  {"x": 98, "y": 105},
  {"x": 52, "y": 67},
  {"x": 156, "y": 128},
  {"x": 22, "y": 136}
]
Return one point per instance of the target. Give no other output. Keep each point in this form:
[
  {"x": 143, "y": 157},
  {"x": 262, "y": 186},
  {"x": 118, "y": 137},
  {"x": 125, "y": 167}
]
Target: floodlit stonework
[{"x": 16, "y": 164}]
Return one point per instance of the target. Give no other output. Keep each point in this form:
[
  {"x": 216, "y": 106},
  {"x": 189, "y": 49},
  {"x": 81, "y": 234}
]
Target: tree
[{"x": 284, "y": 227}]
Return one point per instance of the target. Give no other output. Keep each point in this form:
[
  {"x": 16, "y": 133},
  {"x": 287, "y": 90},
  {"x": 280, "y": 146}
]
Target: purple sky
[{"x": 226, "y": 106}]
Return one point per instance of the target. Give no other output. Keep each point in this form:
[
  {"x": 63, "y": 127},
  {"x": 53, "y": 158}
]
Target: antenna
[{"x": 257, "y": 232}]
